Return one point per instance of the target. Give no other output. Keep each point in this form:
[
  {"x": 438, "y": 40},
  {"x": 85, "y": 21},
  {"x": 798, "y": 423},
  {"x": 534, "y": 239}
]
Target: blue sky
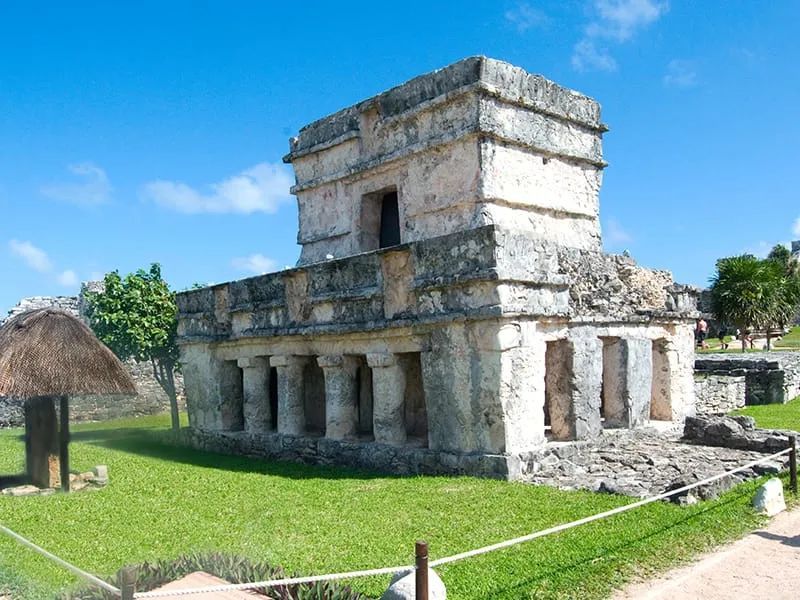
[{"x": 153, "y": 131}]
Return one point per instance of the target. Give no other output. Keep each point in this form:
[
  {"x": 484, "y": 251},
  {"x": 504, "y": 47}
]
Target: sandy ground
[{"x": 765, "y": 564}]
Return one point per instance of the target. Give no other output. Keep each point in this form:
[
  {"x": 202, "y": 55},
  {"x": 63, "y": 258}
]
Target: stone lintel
[
  {"x": 377, "y": 360},
  {"x": 336, "y": 361},
  {"x": 256, "y": 362},
  {"x": 287, "y": 360}
]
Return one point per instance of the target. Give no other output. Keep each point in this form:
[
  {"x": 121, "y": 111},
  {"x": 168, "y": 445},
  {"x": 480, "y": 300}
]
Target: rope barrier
[
  {"x": 388, "y": 570},
  {"x": 70, "y": 567},
  {"x": 275, "y": 582},
  {"x": 463, "y": 555},
  {"x": 598, "y": 516}
]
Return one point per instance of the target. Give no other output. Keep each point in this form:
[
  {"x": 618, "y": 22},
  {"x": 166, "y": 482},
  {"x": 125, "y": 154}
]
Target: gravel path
[{"x": 765, "y": 564}]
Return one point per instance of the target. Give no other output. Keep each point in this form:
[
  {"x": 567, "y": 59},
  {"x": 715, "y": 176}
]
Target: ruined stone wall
[
  {"x": 480, "y": 307},
  {"x": 151, "y": 398},
  {"x": 719, "y": 394},
  {"x": 769, "y": 378},
  {"x": 498, "y": 291},
  {"x": 462, "y": 150},
  {"x": 68, "y": 303}
]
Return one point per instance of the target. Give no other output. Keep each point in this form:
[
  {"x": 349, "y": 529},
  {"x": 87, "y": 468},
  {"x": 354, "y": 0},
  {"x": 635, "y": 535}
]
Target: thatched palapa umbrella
[{"x": 49, "y": 354}]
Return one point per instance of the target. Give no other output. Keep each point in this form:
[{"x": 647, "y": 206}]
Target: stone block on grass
[{"x": 769, "y": 498}]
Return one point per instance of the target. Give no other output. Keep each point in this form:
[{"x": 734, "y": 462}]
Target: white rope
[
  {"x": 598, "y": 516},
  {"x": 81, "y": 573},
  {"x": 274, "y": 582}
]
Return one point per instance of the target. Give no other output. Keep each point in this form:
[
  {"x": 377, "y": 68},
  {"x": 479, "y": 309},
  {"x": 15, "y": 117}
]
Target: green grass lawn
[
  {"x": 790, "y": 340},
  {"x": 775, "y": 416},
  {"x": 163, "y": 501}
]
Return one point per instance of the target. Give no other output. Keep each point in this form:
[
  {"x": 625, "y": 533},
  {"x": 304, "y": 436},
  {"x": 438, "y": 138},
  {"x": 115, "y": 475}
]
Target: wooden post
[
  {"x": 793, "y": 464},
  {"x": 127, "y": 582},
  {"x": 421, "y": 552},
  {"x": 64, "y": 443}
]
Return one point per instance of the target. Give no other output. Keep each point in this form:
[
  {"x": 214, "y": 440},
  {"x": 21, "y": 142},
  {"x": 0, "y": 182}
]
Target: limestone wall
[
  {"x": 462, "y": 150},
  {"x": 518, "y": 327},
  {"x": 481, "y": 272},
  {"x": 719, "y": 394},
  {"x": 747, "y": 379}
]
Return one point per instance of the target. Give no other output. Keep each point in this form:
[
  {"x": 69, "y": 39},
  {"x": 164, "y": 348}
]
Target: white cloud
[
  {"x": 255, "y": 263},
  {"x": 615, "y": 234},
  {"x": 38, "y": 260},
  {"x": 680, "y": 74},
  {"x": 614, "y": 21},
  {"x": 621, "y": 19},
  {"x": 261, "y": 188},
  {"x": 586, "y": 56},
  {"x": 68, "y": 278},
  {"x": 94, "y": 187},
  {"x": 34, "y": 257},
  {"x": 523, "y": 16},
  {"x": 796, "y": 228}
]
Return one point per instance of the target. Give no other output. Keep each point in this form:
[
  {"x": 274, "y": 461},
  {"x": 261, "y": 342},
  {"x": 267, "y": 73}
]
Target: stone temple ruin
[{"x": 452, "y": 310}]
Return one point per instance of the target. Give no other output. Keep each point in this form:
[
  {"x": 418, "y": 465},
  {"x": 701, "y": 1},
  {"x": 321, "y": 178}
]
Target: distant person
[
  {"x": 747, "y": 339},
  {"x": 721, "y": 335},
  {"x": 701, "y": 333}
]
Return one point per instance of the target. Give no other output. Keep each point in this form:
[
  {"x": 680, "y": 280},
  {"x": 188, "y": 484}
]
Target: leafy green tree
[
  {"x": 136, "y": 316},
  {"x": 754, "y": 294},
  {"x": 783, "y": 256}
]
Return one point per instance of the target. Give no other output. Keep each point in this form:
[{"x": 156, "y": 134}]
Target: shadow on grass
[
  {"x": 12, "y": 480},
  {"x": 153, "y": 444},
  {"x": 529, "y": 588}
]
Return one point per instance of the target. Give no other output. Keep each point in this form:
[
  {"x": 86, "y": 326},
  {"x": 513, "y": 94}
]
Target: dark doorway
[
  {"x": 273, "y": 398},
  {"x": 390, "y": 221}
]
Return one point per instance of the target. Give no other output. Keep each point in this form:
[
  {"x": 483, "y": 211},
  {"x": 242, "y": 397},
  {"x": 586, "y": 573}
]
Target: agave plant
[{"x": 235, "y": 569}]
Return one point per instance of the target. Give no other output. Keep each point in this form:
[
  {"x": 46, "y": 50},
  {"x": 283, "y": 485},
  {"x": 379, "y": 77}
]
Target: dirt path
[{"x": 765, "y": 564}]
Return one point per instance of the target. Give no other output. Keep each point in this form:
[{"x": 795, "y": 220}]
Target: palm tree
[{"x": 752, "y": 293}]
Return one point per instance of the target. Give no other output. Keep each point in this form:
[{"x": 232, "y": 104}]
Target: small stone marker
[
  {"x": 100, "y": 475},
  {"x": 403, "y": 587},
  {"x": 769, "y": 498}
]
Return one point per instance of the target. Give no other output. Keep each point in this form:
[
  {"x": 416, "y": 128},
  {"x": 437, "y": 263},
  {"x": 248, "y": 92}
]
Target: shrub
[{"x": 234, "y": 569}]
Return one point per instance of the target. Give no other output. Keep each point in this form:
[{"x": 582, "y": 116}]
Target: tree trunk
[
  {"x": 165, "y": 375},
  {"x": 769, "y": 339},
  {"x": 173, "y": 398}
]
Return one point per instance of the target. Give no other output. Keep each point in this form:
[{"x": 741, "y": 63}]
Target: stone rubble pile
[
  {"x": 95, "y": 479},
  {"x": 644, "y": 463},
  {"x": 737, "y": 432},
  {"x": 68, "y": 303}
]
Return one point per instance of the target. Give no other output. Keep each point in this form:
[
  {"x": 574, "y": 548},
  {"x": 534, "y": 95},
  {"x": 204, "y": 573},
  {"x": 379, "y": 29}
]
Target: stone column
[
  {"x": 585, "y": 382},
  {"x": 341, "y": 415},
  {"x": 388, "y": 397},
  {"x": 291, "y": 393},
  {"x": 627, "y": 381},
  {"x": 661, "y": 396},
  {"x": 255, "y": 391}
]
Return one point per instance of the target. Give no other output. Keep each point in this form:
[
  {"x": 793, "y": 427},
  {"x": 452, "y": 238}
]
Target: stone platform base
[
  {"x": 402, "y": 460},
  {"x": 635, "y": 463},
  {"x": 645, "y": 463}
]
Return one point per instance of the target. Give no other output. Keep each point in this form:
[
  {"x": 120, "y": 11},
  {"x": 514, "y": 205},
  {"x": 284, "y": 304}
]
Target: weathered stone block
[{"x": 769, "y": 498}]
